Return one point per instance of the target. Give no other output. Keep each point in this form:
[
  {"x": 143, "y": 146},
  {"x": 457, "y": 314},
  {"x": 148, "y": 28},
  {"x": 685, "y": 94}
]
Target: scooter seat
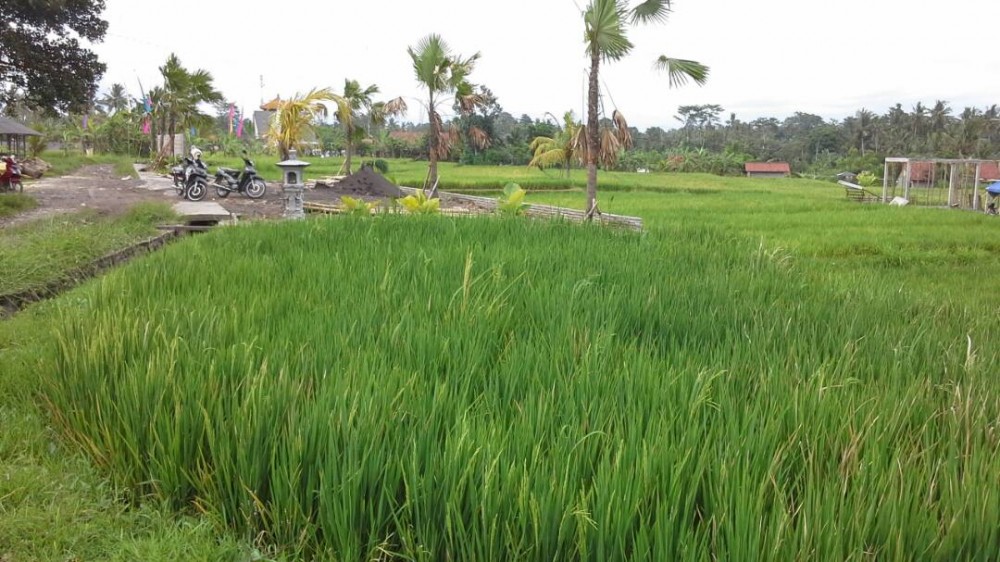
[{"x": 230, "y": 171}]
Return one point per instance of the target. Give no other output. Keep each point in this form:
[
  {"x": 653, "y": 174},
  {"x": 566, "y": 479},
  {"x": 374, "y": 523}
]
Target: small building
[
  {"x": 767, "y": 169},
  {"x": 14, "y": 137}
]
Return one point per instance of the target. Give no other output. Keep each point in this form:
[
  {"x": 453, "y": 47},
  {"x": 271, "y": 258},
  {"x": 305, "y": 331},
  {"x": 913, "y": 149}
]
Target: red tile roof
[
  {"x": 921, "y": 172},
  {"x": 768, "y": 167},
  {"x": 989, "y": 171}
]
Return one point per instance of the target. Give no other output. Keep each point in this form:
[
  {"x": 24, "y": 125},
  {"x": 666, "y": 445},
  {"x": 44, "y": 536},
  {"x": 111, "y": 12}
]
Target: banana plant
[{"x": 511, "y": 202}]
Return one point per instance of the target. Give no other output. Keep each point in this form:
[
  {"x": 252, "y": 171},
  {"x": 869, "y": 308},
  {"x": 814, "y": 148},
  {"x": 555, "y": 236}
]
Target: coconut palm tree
[
  {"x": 562, "y": 148},
  {"x": 349, "y": 111},
  {"x": 605, "y": 26},
  {"x": 442, "y": 73},
  {"x": 295, "y": 117},
  {"x": 183, "y": 91},
  {"x": 115, "y": 100}
]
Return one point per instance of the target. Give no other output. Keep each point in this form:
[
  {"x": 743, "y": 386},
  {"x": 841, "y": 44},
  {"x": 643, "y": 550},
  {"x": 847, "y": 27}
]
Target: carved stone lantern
[{"x": 292, "y": 185}]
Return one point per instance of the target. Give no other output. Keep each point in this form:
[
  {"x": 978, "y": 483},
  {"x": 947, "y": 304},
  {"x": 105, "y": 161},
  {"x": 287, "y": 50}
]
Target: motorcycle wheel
[
  {"x": 221, "y": 192},
  {"x": 197, "y": 190},
  {"x": 17, "y": 186},
  {"x": 256, "y": 189}
]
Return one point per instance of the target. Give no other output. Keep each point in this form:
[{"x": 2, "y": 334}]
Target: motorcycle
[
  {"x": 10, "y": 180},
  {"x": 248, "y": 182},
  {"x": 191, "y": 179}
]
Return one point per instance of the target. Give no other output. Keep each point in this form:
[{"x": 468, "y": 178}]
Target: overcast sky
[{"x": 768, "y": 58}]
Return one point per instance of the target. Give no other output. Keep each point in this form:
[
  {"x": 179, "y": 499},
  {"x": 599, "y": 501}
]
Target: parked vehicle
[
  {"x": 191, "y": 179},
  {"x": 178, "y": 174},
  {"x": 10, "y": 180},
  {"x": 248, "y": 181},
  {"x": 191, "y": 173}
]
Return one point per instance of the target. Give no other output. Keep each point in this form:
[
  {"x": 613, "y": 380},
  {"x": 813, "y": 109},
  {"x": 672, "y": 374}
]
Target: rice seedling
[{"x": 427, "y": 388}]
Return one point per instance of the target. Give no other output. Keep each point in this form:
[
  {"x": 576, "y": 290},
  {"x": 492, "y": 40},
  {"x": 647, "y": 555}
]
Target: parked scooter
[
  {"x": 191, "y": 179},
  {"x": 248, "y": 182},
  {"x": 10, "y": 180}
]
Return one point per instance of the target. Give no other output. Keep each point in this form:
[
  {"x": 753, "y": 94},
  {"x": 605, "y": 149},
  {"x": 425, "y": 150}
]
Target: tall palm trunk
[
  {"x": 173, "y": 133},
  {"x": 593, "y": 137},
  {"x": 350, "y": 149},
  {"x": 432, "y": 172}
]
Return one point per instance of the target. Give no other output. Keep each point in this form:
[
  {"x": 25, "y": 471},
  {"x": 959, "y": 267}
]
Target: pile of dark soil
[{"x": 368, "y": 182}]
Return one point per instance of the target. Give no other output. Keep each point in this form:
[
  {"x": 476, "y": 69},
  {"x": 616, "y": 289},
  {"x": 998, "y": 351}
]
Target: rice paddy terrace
[{"x": 435, "y": 388}]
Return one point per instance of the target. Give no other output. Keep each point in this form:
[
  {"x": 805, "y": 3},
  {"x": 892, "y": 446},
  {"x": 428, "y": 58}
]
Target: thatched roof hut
[{"x": 13, "y": 136}]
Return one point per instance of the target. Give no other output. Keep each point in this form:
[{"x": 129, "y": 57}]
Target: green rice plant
[
  {"x": 511, "y": 201},
  {"x": 687, "y": 394},
  {"x": 420, "y": 203}
]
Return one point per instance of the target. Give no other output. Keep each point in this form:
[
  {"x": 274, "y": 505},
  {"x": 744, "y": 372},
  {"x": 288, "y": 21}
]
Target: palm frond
[
  {"x": 480, "y": 138},
  {"x": 395, "y": 106},
  {"x": 621, "y": 129},
  {"x": 610, "y": 147},
  {"x": 651, "y": 11},
  {"x": 604, "y": 30},
  {"x": 679, "y": 70},
  {"x": 547, "y": 158},
  {"x": 579, "y": 144}
]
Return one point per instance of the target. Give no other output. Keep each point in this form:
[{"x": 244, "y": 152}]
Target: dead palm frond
[
  {"x": 479, "y": 138},
  {"x": 621, "y": 129}
]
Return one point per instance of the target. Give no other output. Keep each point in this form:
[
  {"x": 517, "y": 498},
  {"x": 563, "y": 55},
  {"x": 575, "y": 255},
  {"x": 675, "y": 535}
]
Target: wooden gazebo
[{"x": 13, "y": 137}]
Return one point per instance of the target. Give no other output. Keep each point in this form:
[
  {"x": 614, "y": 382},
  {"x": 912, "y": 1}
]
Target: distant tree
[
  {"x": 41, "y": 60},
  {"x": 441, "y": 72},
  {"x": 352, "y": 106},
  {"x": 605, "y": 24},
  {"x": 115, "y": 100},
  {"x": 475, "y": 123}
]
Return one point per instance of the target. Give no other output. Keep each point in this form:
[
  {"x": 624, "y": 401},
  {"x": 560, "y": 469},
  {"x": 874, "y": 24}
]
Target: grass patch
[
  {"x": 14, "y": 203},
  {"x": 65, "y": 164},
  {"x": 523, "y": 389},
  {"x": 35, "y": 254}
]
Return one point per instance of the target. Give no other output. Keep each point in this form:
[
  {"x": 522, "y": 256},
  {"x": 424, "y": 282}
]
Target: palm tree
[
  {"x": 940, "y": 117},
  {"x": 295, "y": 117},
  {"x": 182, "y": 92},
  {"x": 442, "y": 73},
  {"x": 561, "y": 148},
  {"x": 348, "y": 113},
  {"x": 605, "y": 23},
  {"x": 115, "y": 100}
]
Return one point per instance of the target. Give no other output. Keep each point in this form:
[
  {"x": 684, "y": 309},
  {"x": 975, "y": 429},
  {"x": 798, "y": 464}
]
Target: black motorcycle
[
  {"x": 248, "y": 182},
  {"x": 190, "y": 179}
]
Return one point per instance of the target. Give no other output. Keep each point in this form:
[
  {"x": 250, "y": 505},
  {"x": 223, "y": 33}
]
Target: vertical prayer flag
[
  {"x": 239, "y": 128},
  {"x": 146, "y": 125}
]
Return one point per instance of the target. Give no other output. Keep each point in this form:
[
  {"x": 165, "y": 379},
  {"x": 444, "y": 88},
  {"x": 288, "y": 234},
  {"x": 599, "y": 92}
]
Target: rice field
[{"x": 432, "y": 388}]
